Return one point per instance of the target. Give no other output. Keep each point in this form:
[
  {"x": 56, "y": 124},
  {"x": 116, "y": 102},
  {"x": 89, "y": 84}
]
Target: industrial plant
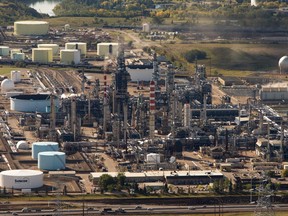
[{"x": 80, "y": 110}]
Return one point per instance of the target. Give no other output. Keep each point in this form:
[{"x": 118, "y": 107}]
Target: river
[{"x": 45, "y": 6}]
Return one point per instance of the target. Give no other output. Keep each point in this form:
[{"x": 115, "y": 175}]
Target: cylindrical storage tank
[
  {"x": 77, "y": 45},
  {"x": 16, "y": 76},
  {"x": 70, "y": 56},
  {"x": 7, "y": 85},
  {"x": 54, "y": 47},
  {"x": 38, "y": 147},
  {"x": 21, "y": 179},
  {"x": 153, "y": 158},
  {"x": 146, "y": 27},
  {"x": 31, "y": 103},
  {"x": 31, "y": 28},
  {"x": 283, "y": 64},
  {"x": 12, "y": 51},
  {"x": 42, "y": 55},
  {"x": 107, "y": 49},
  {"x": 52, "y": 160},
  {"x": 18, "y": 56},
  {"x": 66, "y": 27},
  {"x": 22, "y": 145},
  {"x": 285, "y": 167},
  {"x": 4, "y": 51}
]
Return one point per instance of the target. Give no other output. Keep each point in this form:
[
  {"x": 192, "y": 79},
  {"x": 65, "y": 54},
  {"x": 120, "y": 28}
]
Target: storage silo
[
  {"x": 42, "y": 55},
  {"x": 18, "y": 56},
  {"x": 38, "y": 147},
  {"x": 70, "y": 56},
  {"x": 153, "y": 158},
  {"x": 31, "y": 27},
  {"x": 4, "y": 51},
  {"x": 146, "y": 27},
  {"x": 54, "y": 47},
  {"x": 51, "y": 160},
  {"x": 66, "y": 27},
  {"x": 107, "y": 49},
  {"x": 7, "y": 85},
  {"x": 21, "y": 179},
  {"x": 16, "y": 76},
  {"x": 77, "y": 45}
]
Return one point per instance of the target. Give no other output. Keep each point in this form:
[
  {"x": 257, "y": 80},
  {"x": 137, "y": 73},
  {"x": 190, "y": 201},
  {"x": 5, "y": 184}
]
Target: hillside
[{"x": 12, "y": 10}]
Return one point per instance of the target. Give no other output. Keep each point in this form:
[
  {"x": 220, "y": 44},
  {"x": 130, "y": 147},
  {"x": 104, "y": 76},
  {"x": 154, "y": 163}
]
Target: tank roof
[
  {"x": 33, "y": 22},
  {"x": 45, "y": 143},
  {"x": 51, "y": 153},
  {"x": 21, "y": 172},
  {"x": 32, "y": 97}
]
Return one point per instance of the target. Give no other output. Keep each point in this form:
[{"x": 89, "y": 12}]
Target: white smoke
[{"x": 253, "y": 3}]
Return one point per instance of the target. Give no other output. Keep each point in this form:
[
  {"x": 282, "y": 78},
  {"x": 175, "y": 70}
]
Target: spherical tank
[
  {"x": 283, "y": 64},
  {"x": 38, "y": 147},
  {"x": 51, "y": 160},
  {"x": 77, "y": 45},
  {"x": 54, "y": 47},
  {"x": 7, "y": 85},
  {"x": 31, "y": 103},
  {"x": 70, "y": 56},
  {"x": 31, "y": 28},
  {"x": 21, "y": 179},
  {"x": 22, "y": 145},
  {"x": 42, "y": 55},
  {"x": 4, "y": 51}
]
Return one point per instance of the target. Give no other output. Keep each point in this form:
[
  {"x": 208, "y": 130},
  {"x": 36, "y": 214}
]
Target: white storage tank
[
  {"x": 7, "y": 85},
  {"x": 16, "y": 76},
  {"x": 38, "y": 147},
  {"x": 31, "y": 102},
  {"x": 66, "y": 27},
  {"x": 54, "y": 47},
  {"x": 70, "y": 56},
  {"x": 31, "y": 27},
  {"x": 153, "y": 158},
  {"x": 42, "y": 55},
  {"x": 77, "y": 45},
  {"x": 107, "y": 49},
  {"x": 23, "y": 145},
  {"x": 21, "y": 179},
  {"x": 146, "y": 27},
  {"x": 51, "y": 160},
  {"x": 285, "y": 167},
  {"x": 12, "y": 51},
  {"x": 4, "y": 51},
  {"x": 18, "y": 56}
]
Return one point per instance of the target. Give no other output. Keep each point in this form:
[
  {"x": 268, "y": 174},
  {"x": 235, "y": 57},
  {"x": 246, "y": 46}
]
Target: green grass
[
  {"x": 5, "y": 70},
  {"x": 231, "y": 59}
]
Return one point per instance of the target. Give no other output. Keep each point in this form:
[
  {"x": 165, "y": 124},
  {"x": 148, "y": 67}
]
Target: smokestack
[
  {"x": 52, "y": 118},
  {"x": 105, "y": 103},
  {"x": 152, "y": 111},
  {"x": 73, "y": 117},
  {"x": 205, "y": 109}
]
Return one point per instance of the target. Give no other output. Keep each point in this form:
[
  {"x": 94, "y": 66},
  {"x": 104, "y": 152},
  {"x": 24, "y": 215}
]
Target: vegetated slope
[{"x": 12, "y": 10}]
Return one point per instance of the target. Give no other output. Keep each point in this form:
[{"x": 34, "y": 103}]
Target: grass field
[
  {"x": 231, "y": 59},
  {"x": 5, "y": 70}
]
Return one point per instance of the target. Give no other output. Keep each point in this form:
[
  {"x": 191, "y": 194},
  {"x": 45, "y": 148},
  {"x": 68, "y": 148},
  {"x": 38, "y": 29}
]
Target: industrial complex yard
[{"x": 87, "y": 119}]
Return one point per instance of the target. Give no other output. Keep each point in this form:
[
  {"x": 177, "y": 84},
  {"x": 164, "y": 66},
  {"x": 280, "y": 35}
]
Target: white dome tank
[
  {"x": 153, "y": 158},
  {"x": 283, "y": 64},
  {"x": 7, "y": 85},
  {"x": 22, "y": 145},
  {"x": 21, "y": 179},
  {"x": 70, "y": 56},
  {"x": 16, "y": 76},
  {"x": 38, "y": 147},
  {"x": 77, "y": 45}
]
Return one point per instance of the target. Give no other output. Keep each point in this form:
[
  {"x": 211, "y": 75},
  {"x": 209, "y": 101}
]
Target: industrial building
[
  {"x": 4, "y": 51},
  {"x": 274, "y": 92}
]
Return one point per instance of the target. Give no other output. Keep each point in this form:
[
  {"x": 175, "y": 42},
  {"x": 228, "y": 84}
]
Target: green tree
[
  {"x": 284, "y": 173},
  {"x": 106, "y": 181},
  {"x": 121, "y": 179},
  {"x": 157, "y": 20}
]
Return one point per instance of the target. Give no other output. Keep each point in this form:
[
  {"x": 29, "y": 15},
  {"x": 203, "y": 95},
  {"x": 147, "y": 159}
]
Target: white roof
[
  {"x": 33, "y": 22},
  {"x": 21, "y": 172}
]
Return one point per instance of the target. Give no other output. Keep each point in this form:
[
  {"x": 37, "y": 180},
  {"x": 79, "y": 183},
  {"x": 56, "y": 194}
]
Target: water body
[{"x": 45, "y": 6}]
